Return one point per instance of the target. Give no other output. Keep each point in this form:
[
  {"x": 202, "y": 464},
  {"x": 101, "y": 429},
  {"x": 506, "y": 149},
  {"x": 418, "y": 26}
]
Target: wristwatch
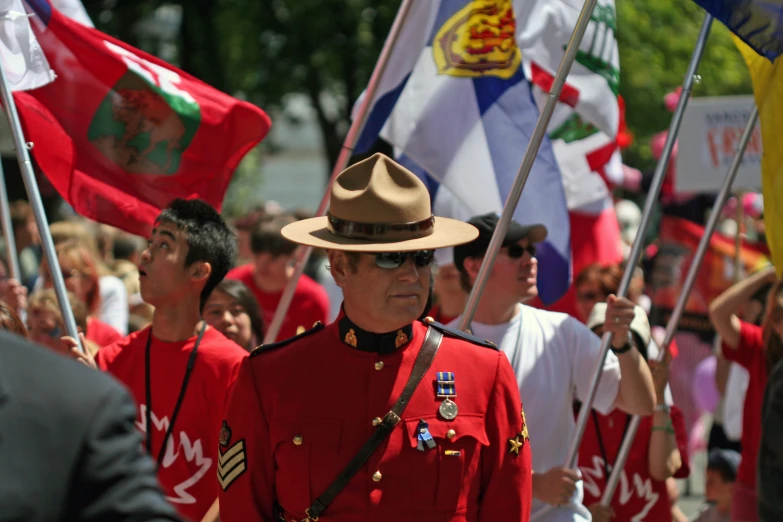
[
  {"x": 662, "y": 407},
  {"x": 628, "y": 345}
]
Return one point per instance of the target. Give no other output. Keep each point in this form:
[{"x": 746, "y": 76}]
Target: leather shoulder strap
[{"x": 423, "y": 362}]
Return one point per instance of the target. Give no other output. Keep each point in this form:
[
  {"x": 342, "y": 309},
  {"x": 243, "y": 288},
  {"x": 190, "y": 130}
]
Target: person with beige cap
[
  {"x": 379, "y": 415},
  {"x": 554, "y": 356},
  {"x": 659, "y": 450}
]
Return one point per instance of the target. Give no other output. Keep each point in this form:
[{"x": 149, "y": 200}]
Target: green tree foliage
[
  {"x": 264, "y": 50},
  {"x": 656, "y": 40}
]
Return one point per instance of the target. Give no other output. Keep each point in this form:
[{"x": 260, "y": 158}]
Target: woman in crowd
[
  {"x": 10, "y": 322},
  {"x": 757, "y": 349},
  {"x": 596, "y": 282},
  {"x": 45, "y": 321},
  {"x": 658, "y": 453},
  {"x": 81, "y": 277},
  {"x": 233, "y": 310}
]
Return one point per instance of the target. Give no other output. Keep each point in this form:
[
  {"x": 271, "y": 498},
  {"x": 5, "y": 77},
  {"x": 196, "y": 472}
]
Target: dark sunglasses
[
  {"x": 397, "y": 259},
  {"x": 515, "y": 251}
]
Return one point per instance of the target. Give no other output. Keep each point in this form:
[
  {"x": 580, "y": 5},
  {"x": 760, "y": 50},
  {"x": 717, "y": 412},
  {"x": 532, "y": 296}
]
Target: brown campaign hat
[{"x": 377, "y": 205}]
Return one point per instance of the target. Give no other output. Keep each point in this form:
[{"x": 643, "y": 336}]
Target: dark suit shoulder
[
  {"x": 266, "y": 348},
  {"x": 458, "y": 334}
]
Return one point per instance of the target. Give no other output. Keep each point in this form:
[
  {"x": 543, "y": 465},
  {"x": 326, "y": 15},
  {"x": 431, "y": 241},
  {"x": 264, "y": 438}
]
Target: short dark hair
[
  {"x": 208, "y": 237},
  {"x": 266, "y": 238},
  {"x": 241, "y": 293}
]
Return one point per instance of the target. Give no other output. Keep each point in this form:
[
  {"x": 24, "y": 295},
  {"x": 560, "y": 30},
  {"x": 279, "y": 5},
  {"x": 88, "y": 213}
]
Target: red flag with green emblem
[{"x": 121, "y": 133}]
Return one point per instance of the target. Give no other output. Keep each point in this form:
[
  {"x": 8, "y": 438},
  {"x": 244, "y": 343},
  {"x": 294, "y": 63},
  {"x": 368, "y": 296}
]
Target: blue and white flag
[{"x": 455, "y": 101}]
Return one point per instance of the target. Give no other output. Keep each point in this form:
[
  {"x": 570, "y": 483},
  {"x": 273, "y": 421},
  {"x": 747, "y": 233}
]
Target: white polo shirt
[{"x": 554, "y": 357}]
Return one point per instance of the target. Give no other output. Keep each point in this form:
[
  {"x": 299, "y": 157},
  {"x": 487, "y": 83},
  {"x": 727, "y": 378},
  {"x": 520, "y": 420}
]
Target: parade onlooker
[
  {"x": 449, "y": 296},
  {"x": 269, "y": 273},
  {"x": 757, "y": 349},
  {"x": 45, "y": 321},
  {"x": 179, "y": 370},
  {"x": 722, "y": 465},
  {"x": 80, "y": 275},
  {"x": 10, "y": 322},
  {"x": 27, "y": 239},
  {"x": 232, "y": 309},
  {"x": 595, "y": 283},
  {"x": 70, "y": 450},
  {"x": 554, "y": 356},
  {"x": 12, "y": 292},
  {"x": 113, "y": 296},
  {"x": 770, "y": 475},
  {"x": 659, "y": 450}
]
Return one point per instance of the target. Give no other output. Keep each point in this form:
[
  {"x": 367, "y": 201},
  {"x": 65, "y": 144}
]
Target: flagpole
[
  {"x": 303, "y": 252},
  {"x": 679, "y": 308},
  {"x": 527, "y": 164},
  {"x": 8, "y": 230},
  {"x": 28, "y": 176},
  {"x": 638, "y": 244}
]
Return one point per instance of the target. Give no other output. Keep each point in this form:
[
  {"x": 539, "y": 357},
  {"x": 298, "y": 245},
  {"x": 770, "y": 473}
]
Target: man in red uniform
[
  {"x": 269, "y": 273},
  {"x": 179, "y": 370},
  {"x": 303, "y": 409}
]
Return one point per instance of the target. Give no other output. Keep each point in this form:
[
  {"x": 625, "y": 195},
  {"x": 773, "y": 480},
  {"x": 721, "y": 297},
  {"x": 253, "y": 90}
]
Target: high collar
[{"x": 365, "y": 341}]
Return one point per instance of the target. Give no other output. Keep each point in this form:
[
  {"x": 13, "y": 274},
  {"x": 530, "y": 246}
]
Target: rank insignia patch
[
  {"x": 518, "y": 442},
  {"x": 232, "y": 460}
]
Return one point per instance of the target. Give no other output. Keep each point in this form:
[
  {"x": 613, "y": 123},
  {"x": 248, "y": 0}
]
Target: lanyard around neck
[{"x": 180, "y": 398}]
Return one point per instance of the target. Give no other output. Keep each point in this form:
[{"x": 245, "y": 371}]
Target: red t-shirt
[
  {"x": 101, "y": 333},
  {"x": 750, "y": 354},
  {"x": 637, "y": 494},
  {"x": 188, "y": 469},
  {"x": 309, "y": 304}
]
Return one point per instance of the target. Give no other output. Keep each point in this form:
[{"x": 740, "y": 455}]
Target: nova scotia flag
[{"x": 454, "y": 100}]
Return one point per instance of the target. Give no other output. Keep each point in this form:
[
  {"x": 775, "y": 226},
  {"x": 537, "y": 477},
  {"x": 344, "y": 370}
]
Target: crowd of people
[{"x": 176, "y": 318}]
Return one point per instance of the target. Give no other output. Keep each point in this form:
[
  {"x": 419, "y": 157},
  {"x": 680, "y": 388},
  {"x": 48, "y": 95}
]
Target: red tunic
[{"x": 301, "y": 411}]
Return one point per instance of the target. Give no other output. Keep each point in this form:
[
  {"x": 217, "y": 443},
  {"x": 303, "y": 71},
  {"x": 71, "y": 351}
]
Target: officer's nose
[{"x": 408, "y": 271}]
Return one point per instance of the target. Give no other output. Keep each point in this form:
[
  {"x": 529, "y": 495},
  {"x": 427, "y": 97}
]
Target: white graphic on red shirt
[
  {"x": 190, "y": 451},
  {"x": 641, "y": 488}
]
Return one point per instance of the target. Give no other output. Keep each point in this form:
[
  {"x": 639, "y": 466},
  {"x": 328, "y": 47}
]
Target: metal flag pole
[
  {"x": 738, "y": 236},
  {"x": 679, "y": 308},
  {"x": 636, "y": 249},
  {"x": 303, "y": 252},
  {"x": 28, "y": 176},
  {"x": 8, "y": 230},
  {"x": 527, "y": 164}
]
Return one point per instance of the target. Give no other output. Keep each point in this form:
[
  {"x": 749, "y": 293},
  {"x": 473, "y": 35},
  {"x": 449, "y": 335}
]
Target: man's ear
[
  {"x": 472, "y": 266},
  {"x": 338, "y": 266},
  {"x": 200, "y": 271}
]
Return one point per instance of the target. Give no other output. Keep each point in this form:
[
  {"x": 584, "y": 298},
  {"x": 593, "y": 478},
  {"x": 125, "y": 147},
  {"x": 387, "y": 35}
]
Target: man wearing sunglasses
[
  {"x": 314, "y": 429},
  {"x": 554, "y": 357}
]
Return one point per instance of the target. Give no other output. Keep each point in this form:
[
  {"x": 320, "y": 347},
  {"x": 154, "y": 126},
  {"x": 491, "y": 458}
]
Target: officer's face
[{"x": 380, "y": 299}]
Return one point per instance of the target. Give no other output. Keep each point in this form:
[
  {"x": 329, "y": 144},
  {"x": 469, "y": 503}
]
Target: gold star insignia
[{"x": 516, "y": 445}]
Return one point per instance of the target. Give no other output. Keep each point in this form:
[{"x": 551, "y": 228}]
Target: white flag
[
  {"x": 74, "y": 10},
  {"x": 22, "y": 58}
]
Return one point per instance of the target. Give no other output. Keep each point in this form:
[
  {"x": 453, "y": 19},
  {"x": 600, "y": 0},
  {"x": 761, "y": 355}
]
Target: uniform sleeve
[
  {"x": 115, "y": 479},
  {"x": 245, "y": 469},
  {"x": 749, "y": 348},
  {"x": 681, "y": 436},
  {"x": 585, "y": 350},
  {"x": 506, "y": 473}
]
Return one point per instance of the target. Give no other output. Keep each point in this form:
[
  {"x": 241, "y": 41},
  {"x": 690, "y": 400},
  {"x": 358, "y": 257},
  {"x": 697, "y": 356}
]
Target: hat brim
[{"x": 315, "y": 232}]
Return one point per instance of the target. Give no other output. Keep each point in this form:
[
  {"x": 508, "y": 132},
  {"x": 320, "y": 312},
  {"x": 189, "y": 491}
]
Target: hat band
[{"x": 381, "y": 231}]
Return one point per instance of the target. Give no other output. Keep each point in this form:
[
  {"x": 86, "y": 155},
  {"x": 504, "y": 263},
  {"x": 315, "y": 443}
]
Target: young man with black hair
[
  {"x": 269, "y": 273},
  {"x": 179, "y": 370}
]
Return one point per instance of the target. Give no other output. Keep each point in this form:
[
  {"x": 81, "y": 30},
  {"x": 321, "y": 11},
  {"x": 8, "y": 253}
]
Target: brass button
[
  {"x": 379, "y": 365},
  {"x": 429, "y": 320},
  {"x": 376, "y": 477},
  {"x": 298, "y": 440},
  {"x": 451, "y": 434},
  {"x": 376, "y": 421}
]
